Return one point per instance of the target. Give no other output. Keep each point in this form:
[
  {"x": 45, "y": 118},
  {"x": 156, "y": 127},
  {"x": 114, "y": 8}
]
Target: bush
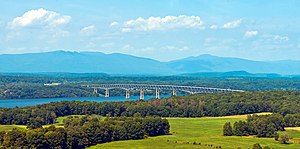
[
  {"x": 256, "y": 146},
  {"x": 284, "y": 138}
]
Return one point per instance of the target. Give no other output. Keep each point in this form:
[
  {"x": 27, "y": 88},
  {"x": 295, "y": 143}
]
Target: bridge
[{"x": 157, "y": 88}]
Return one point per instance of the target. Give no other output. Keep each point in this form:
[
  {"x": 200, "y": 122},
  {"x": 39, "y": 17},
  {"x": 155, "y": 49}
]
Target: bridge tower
[
  {"x": 127, "y": 93},
  {"x": 174, "y": 92},
  {"x": 142, "y": 94},
  {"x": 157, "y": 93},
  {"x": 95, "y": 91},
  {"x": 107, "y": 93}
]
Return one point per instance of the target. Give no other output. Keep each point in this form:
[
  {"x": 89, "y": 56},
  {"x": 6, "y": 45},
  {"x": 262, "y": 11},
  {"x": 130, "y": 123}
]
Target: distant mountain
[
  {"x": 81, "y": 62},
  {"x": 56, "y": 74},
  {"x": 95, "y": 62},
  {"x": 232, "y": 74},
  {"x": 209, "y": 63}
]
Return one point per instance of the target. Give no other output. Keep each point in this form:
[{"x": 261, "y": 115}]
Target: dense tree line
[
  {"x": 80, "y": 132},
  {"x": 259, "y": 125},
  {"x": 292, "y": 120},
  {"x": 217, "y": 104},
  {"x": 29, "y": 90},
  {"x": 31, "y": 86}
]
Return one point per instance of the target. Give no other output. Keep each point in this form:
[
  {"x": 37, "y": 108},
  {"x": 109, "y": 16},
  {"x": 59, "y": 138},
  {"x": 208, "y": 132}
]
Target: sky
[{"x": 159, "y": 29}]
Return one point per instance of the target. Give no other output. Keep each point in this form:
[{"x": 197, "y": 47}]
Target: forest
[{"x": 80, "y": 132}]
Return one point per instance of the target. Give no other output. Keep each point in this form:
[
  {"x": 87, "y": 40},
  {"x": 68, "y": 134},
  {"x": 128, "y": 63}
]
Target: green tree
[
  {"x": 76, "y": 138},
  {"x": 227, "y": 129},
  {"x": 35, "y": 138},
  {"x": 276, "y": 136},
  {"x": 264, "y": 128},
  {"x": 35, "y": 123},
  {"x": 56, "y": 138},
  {"x": 284, "y": 138},
  {"x": 241, "y": 128},
  {"x": 137, "y": 115}
]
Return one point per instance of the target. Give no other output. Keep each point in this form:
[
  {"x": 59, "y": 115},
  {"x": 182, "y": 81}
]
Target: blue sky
[{"x": 159, "y": 29}]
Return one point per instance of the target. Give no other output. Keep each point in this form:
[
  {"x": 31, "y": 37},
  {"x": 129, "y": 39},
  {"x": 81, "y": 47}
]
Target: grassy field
[
  {"x": 207, "y": 131},
  {"x": 10, "y": 127}
]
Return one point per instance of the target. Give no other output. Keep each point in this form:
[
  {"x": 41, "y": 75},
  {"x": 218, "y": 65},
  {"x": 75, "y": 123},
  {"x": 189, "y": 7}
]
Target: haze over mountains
[{"x": 96, "y": 62}]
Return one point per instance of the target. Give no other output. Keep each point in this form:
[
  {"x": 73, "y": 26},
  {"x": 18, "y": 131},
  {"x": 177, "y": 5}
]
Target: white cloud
[
  {"x": 166, "y": 23},
  {"x": 213, "y": 27},
  {"x": 232, "y": 24},
  {"x": 274, "y": 39},
  {"x": 249, "y": 34},
  {"x": 40, "y": 17},
  {"x": 114, "y": 24},
  {"x": 280, "y": 38},
  {"x": 88, "y": 31}
]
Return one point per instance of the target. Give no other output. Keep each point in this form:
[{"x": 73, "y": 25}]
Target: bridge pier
[
  {"x": 142, "y": 94},
  {"x": 127, "y": 94},
  {"x": 157, "y": 93},
  {"x": 107, "y": 93},
  {"x": 174, "y": 92},
  {"x": 142, "y": 87},
  {"x": 95, "y": 91}
]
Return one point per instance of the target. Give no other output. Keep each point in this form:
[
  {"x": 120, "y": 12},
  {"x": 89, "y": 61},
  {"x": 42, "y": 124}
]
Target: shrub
[{"x": 284, "y": 138}]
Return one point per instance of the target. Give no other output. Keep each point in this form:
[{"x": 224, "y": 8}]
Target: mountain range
[{"x": 116, "y": 63}]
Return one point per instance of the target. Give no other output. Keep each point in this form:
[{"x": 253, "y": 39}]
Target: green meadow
[
  {"x": 203, "y": 132},
  {"x": 10, "y": 127},
  {"x": 189, "y": 133}
]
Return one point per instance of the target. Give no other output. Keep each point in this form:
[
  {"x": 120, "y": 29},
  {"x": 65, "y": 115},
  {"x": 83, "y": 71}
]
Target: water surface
[{"x": 11, "y": 103}]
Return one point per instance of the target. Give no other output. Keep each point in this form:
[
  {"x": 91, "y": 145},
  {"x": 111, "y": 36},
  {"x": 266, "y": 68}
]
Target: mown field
[
  {"x": 207, "y": 131},
  {"x": 10, "y": 127}
]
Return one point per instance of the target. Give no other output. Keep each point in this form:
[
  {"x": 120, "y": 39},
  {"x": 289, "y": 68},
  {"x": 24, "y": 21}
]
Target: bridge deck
[{"x": 190, "y": 89}]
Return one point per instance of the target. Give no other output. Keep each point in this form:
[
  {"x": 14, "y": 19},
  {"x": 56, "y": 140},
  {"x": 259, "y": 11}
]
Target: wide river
[{"x": 11, "y": 103}]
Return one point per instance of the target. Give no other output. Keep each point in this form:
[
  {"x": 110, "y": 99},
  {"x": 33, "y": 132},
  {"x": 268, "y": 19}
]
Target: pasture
[{"x": 204, "y": 133}]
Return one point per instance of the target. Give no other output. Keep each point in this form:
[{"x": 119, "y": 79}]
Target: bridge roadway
[{"x": 157, "y": 88}]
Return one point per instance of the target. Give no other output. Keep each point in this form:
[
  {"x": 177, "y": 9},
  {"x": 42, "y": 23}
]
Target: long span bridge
[{"x": 157, "y": 88}]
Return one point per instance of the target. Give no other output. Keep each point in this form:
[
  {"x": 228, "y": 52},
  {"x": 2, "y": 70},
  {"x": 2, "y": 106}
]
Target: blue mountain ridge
[{"x": 117, "y": 63}]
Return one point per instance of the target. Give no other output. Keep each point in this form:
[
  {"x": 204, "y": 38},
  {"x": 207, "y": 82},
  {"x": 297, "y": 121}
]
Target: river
[{"x": 11, "y": 103}]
